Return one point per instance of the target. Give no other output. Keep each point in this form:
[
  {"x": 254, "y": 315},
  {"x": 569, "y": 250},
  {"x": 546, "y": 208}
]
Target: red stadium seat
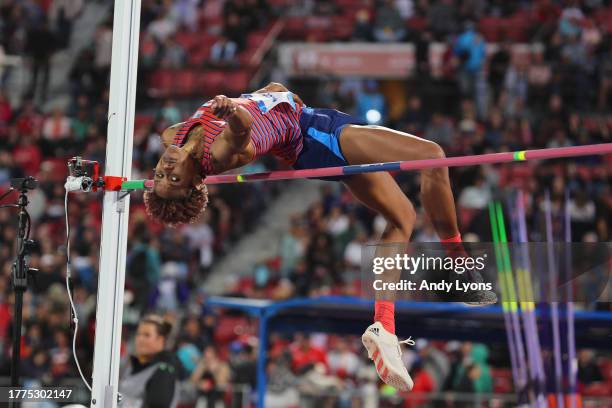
[
  {"x": 142, "y": 120},
  {"x": 606, "y": 370},
  {"x": 256, "y": 38},
  {"x": 417, "y": 23},
  {"x": 342, "y": 27},
  {"x": 237, "y": 81},
  {"x": 295, "y": 28},
  {"x": 502, "y": 380},
  {"x": 185, "y": 82},
  {"x": 246, "y": 57},
  {"x": 162, "y": 83},
  {"x": 598, "y": 389},
  {"x": 516, "y": 29},
  {"x": 211, "y": 82},
  {"x": 490, "y": 27},
  {"x": 187, "y": 40},
  {"x": 603, "y": 18},
  {"x": 230, "y": 327}
]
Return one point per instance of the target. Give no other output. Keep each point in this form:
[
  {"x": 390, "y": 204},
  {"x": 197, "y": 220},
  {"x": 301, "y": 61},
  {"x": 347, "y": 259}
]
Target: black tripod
[{"x": 20, "y": 270}]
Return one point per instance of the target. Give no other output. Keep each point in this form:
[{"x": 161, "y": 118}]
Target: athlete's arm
[
  {"x": 237, "y": 133},
  {"x": 233, "y": 147},
  {"x": 278, "y": 87}
]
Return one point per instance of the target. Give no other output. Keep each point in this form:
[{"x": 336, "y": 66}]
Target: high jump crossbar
[{"x": 458, "y": 161}]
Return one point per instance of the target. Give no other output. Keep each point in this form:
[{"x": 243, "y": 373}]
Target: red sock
[
  {"x": 384, "y": 312},
  {"x": 452, "y": 246},
  {"x": 456, "y": 238}
]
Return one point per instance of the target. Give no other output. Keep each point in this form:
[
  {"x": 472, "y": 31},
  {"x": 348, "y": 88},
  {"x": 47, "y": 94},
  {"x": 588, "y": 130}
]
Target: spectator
[
  {"x": 362, "y": 30},
  {"x": 149, "y": 376},
  {"x": 582, "y": 215},
  {"x": 173, "y": 55},
  {"x": 185, "y": 13},
  {"x": 414, "y": 118},
  {"x": 467, "y": 380},
  {"x": 571, "y": 19},
  {"x": 223, "y": 52},
  {"x": 423, "y": 384},
  {"x": 370, "y": 104},
  {"x": 56, "y": 131},
  {"x": 162, "y": 27},
  {"x": 236, "y": 31},
  {"x": 470, "y": 50},
  {"x": 36, "y": 366},
  {"x": 211, "y": 377},
  {"x": 102, "y": 56},
  {"x": 389, "y": 25},
  {"x": 244, "y": 370},
  {"x": 605, "y": 75},
  {"x": 6, "y": 113},
  {"x": 143, "y": 271},
  {"x": 439, "y": 130},
  {"x": 343, "y": 362},
  {"x": 354, "y": 250},
  {"x": 292, "y": 247},
  {"x": 539, "y": 76},
  {"x": 40, "y": 46},
  {"x": 516, "y": 88},
  {"x": 201, "y": 239},
  {"x": 27, "y": 155},
  {"x": 442, "y": 18},
  {"x": 61, "y": 354},
  {"x": 281, "y": 390},
  {"x": 62, "y": 14},
  {"x": 588, "y": 370},
  {"x": 305, "y": 355}
]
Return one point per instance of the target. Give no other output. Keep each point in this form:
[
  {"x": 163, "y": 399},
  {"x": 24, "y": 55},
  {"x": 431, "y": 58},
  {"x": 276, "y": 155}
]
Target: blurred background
[{"x": 475, "y": 76}]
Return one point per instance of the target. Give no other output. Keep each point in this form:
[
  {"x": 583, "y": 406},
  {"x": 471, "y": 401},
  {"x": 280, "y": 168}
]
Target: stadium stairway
[{"x": 258, "y": 245}]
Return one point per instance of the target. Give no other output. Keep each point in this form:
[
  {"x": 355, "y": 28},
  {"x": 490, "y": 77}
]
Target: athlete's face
[{"x": 174, "y": 173}]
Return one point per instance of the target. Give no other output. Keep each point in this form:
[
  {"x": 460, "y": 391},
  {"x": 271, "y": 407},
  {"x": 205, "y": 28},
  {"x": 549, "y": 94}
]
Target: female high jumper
[{"x": 226, "y": 133}]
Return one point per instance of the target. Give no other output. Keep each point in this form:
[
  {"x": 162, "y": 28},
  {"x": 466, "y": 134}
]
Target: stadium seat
[
  {"x": 606, "y": 370},
  {"x": 187, "y": 40},
  {"x": 237, "y": 81},
  {"x": 502, "y": 380},
  {"x": 598, "y": 389},
  {"x": 211, "y": 82},
  {"x": 490, "y": 27},
  {"x": 142, "y": 120},
  {"x": 161, "y": 83},
  {"x": 417, "y": 23},
  {"x": 342, "y": 27},
  {"x": 230, "y": 327},
  {"x": 186, "y": 82}
]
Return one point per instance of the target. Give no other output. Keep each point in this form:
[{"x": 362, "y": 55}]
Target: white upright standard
[{"x": 111, "y": 278}]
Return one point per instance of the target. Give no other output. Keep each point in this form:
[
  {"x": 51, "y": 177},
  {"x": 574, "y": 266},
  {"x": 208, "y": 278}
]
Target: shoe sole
[{"x": 385, "y": 373}]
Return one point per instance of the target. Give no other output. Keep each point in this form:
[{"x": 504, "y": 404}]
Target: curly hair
[{"x": 173, "y": 212}]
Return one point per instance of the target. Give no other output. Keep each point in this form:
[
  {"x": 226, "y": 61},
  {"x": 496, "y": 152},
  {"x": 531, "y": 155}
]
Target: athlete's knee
[{"x": 432, "y": 150}]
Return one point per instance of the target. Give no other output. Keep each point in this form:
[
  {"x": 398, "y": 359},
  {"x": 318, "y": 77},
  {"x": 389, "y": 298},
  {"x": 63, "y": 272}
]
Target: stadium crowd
[{"x": 480, "y": 102}]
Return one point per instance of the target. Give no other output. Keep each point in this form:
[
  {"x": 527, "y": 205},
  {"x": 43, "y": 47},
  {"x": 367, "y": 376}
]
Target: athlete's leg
[
  {"x": 380, "y": 192},
  {"x": 374, "y": 144}
]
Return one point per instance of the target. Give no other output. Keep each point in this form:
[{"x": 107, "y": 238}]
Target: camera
[{"x": 84, "y": 175}]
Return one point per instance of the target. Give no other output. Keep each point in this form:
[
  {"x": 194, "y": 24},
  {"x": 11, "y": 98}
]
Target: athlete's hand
[
  {"x": 223, "y": 107},
  {"x": 278, "y": 87}
]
